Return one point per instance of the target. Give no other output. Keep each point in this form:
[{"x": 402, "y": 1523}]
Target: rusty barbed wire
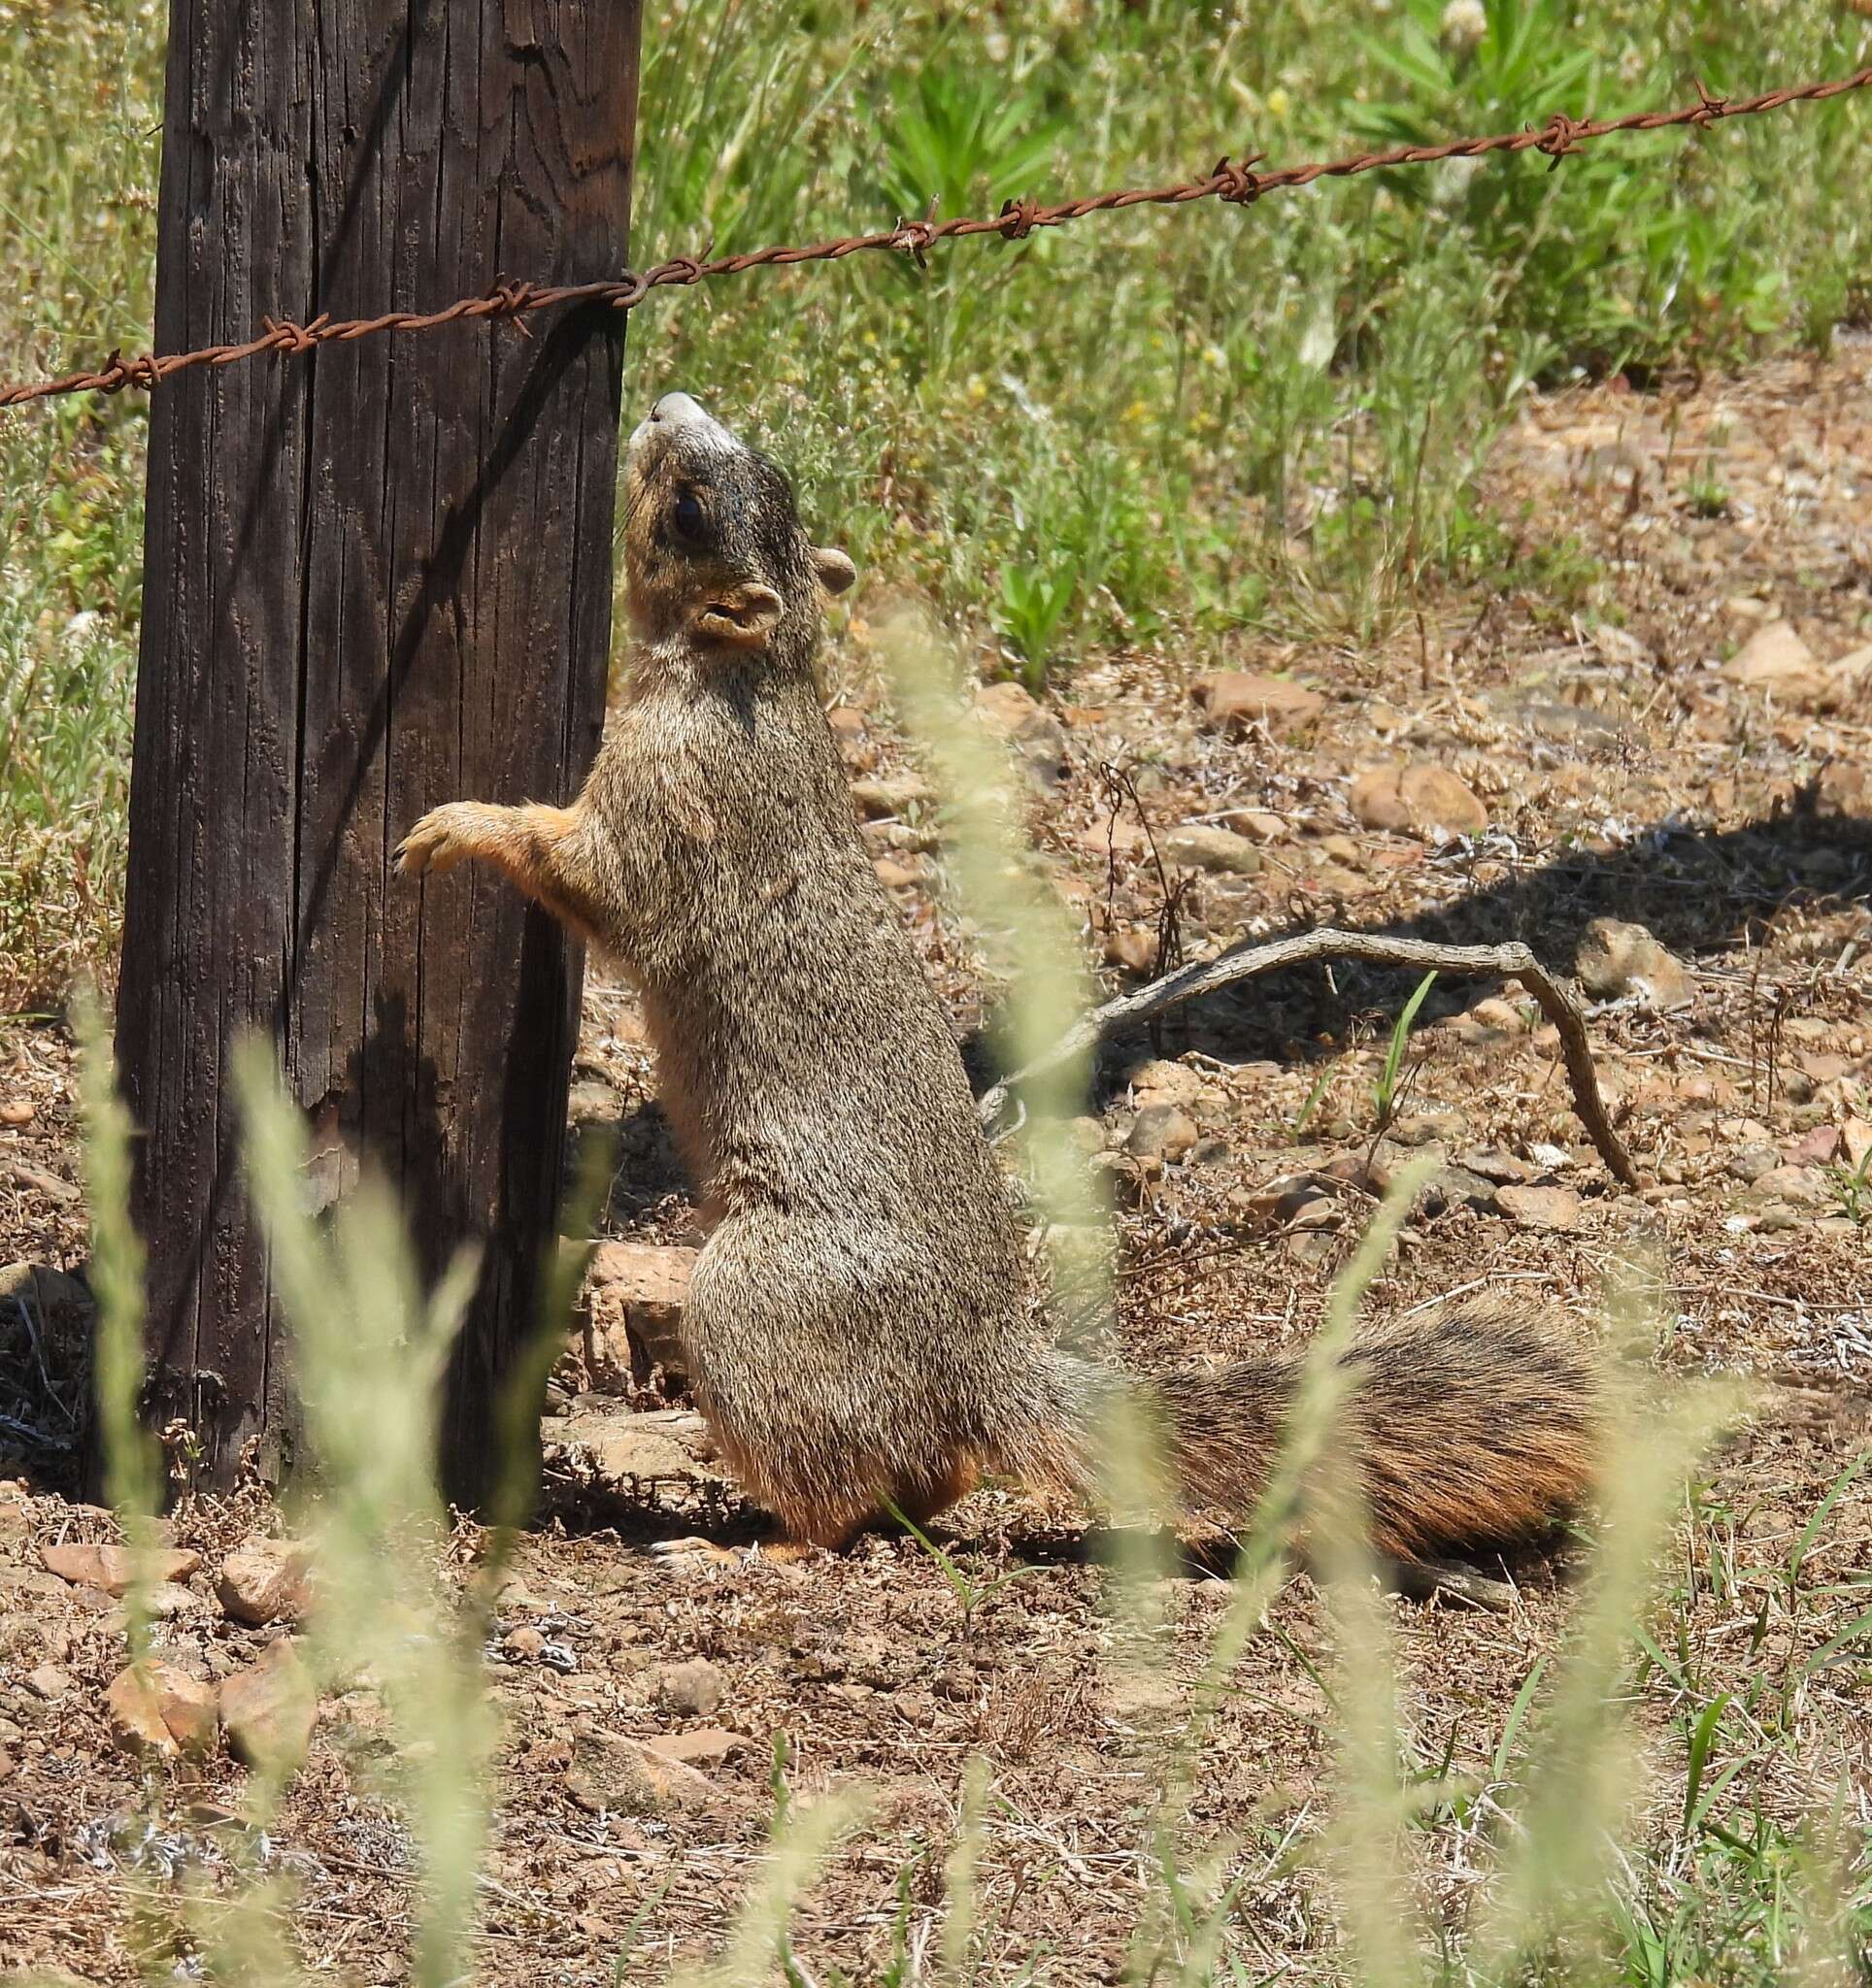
[{"x": 1236, "y": 183}]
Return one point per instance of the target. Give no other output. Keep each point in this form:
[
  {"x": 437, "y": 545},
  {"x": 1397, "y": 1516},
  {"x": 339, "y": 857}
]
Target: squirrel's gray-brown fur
[{"x": 858, "y": 1322}]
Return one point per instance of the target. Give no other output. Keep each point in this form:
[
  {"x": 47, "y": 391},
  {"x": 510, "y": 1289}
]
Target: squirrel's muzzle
[
  {"x": 676, "y": 416},
  {"x": 676, "y": 409}
]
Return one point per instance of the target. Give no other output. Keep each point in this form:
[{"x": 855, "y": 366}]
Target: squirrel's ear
[
  {"x": 835, "y": 571},
  {"x": 745, "y": 614}
]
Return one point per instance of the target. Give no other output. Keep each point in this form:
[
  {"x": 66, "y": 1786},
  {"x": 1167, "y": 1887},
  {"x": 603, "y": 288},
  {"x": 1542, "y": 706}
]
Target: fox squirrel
[{"x": 857, "y": 1325}]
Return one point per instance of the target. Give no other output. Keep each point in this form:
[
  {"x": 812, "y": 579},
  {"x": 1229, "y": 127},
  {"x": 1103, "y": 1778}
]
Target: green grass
[
  {"x": 1146, "y": 432},
  {"x": 78, "y": 174}
]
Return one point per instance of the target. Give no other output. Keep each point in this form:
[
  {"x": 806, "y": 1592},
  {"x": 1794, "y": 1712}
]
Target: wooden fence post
[{"x": 378, "y": 576}]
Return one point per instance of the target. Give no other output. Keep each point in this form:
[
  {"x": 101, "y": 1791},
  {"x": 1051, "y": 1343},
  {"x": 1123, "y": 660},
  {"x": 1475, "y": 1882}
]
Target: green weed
[
  {"x": 1154, "y": 430},
  {"x": 1388, "y": 1085},
  {"x": 1852, "y": 1189},
  {"x": 969, "y": 1594}
]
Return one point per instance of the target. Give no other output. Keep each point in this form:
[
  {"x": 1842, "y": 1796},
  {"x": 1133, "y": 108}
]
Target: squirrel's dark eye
[{"x": 688, "y": 516}]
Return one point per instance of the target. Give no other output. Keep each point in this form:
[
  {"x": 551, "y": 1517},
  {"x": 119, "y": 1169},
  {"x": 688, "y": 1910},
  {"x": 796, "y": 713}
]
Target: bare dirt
[{"x": 1624, "y": 754}]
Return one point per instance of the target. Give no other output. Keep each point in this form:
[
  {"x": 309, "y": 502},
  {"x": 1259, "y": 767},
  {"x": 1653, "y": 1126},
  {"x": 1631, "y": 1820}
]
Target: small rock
[
  {"x": 28, "y": 1586},
  {"x": 1503, "y": 1170},
  {"x": 637, "y": 1292},
  {"x": 1459, "y": 1183},
  {"x": 707, "y": 1747},
  {"x": 897, "y": 876},
  {"x": 267, "y": 1709},
  {"x": 1220, "y": 852},
  {"x": 16, "y": 1111},
  {"x": 1426, "y": 1127},
  {"x": 49, "y": 1682},
  {"x": 166, "y": 1604},
  {"x": 1163, "y": 1082},
  {"x": 160, "y": 1709},
  {"x": 1842, "y": 787},
  {"x": 1161, "y": 1131},
  {"x": 1134, "y": 947},
  {"x": 847, "y": 724},
  {"x": 1033, "y": 732},
  {"x": 1423, "y": 797},
  {"x": 1373, "y": 1177},
  {"x": 1820, "y": 1147},
  {"x": 628, "y": 1447},
  {"x": 1496, "y": 1013},
  {"x": 1236, "y": 699},
  {"x": 612, "y": 1775},
  {"x": 888, "y": 800},
  {"x": 1775, "y": 658},
  {"x": 694, "y": 1688},
  {"x": 1086, "y": 1135},
  {"x": 265, "y": 1579},
  {"x": 919, "y": 840},
  {"x": 1751, "y": 1162},
  {"x": 1844, "y": 674},
  {"x": 1615, "y": 959},
  {"x": 53, "y": 1298},
  {"x": 1285, "y": 1200},
  {"x": 1799, "y": 1186},
  {"x": 112, "y": 1569},
  {"x": 1855, "y": 1142},
  {"x": 1259, "y": 827},
  {"x": 1540, "y": 1207},
  {"x": 592, "y": 1102}
]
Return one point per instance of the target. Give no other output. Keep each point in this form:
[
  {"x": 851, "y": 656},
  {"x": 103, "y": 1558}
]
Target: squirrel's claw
[
  {"x": 434, "y": 845},
  {"x": 694, "y": 1551}
]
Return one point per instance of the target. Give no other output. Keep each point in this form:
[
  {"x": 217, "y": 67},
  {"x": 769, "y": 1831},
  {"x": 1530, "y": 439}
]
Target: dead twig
[{"x": 1240, "y": 963}]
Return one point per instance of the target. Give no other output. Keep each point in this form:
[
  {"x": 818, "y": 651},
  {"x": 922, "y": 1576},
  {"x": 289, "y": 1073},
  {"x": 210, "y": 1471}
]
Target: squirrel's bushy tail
[{"x": 1474, "y": 1425}]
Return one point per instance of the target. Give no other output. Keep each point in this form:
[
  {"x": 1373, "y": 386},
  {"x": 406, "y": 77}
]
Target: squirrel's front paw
[{"x": 438, "y": 842}]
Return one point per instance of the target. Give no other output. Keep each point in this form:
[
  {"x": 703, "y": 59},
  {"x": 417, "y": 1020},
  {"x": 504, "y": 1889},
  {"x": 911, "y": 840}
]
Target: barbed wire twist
[{"x": 1236, "y": 183}]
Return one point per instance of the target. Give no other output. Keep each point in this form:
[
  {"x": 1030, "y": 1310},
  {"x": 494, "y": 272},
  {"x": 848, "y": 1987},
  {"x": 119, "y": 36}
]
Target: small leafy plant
[
  {"x": 1389, "y": 1084},
  {"x": 969, "y": 1594},
  {"x": 1852, "y": 1187},
  {"x": 957, "y": 139},
  {"x": 1034, "y": 602}
]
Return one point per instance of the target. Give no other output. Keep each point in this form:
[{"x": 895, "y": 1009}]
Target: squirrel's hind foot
[{"x": 694, "y": 1551}]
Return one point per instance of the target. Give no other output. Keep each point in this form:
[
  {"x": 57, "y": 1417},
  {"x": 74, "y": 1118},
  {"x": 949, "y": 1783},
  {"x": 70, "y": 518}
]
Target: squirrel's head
[{"x": 714, "y": 549}]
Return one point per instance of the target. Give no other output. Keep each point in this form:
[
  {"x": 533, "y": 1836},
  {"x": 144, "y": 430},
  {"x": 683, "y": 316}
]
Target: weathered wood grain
[{"x": 379, "y": 576}]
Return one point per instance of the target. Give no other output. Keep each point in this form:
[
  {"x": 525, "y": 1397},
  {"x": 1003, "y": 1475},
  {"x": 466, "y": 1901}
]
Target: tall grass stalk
[
  {"x": 370, "y": 1347},
  {"x": 1578, "y": 1776},
  {"x": 131, "y": 1457}
]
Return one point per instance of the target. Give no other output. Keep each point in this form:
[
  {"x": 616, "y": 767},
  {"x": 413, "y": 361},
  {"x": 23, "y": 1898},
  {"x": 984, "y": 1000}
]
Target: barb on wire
[{"x": 1238, "y": 183}]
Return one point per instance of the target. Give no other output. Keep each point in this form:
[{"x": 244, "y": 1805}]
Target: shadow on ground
[{"x": 1700, "y": 892}]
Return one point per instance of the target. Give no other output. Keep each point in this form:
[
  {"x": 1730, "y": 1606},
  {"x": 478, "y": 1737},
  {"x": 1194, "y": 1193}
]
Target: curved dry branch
[{"x": 1245, "y": 962}]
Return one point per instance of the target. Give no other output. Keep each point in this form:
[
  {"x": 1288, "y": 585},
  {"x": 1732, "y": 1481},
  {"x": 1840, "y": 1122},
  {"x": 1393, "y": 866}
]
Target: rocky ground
[{"x": 1655, "y": 711}]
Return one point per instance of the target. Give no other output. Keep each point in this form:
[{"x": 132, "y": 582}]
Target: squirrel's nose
[{"x": 674, "y": 410}]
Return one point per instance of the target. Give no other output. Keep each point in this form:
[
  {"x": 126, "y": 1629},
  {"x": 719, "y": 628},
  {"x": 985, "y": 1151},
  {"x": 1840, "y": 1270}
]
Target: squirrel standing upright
[{"x": 857, "y": 1323}]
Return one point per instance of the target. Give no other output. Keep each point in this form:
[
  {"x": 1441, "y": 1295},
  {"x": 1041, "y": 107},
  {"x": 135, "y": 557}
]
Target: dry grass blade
[
  {"x": 370, "y": 1347},
  {"x": 1579, "y": 1772},
  {"x": 132, "y": 1462}
]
